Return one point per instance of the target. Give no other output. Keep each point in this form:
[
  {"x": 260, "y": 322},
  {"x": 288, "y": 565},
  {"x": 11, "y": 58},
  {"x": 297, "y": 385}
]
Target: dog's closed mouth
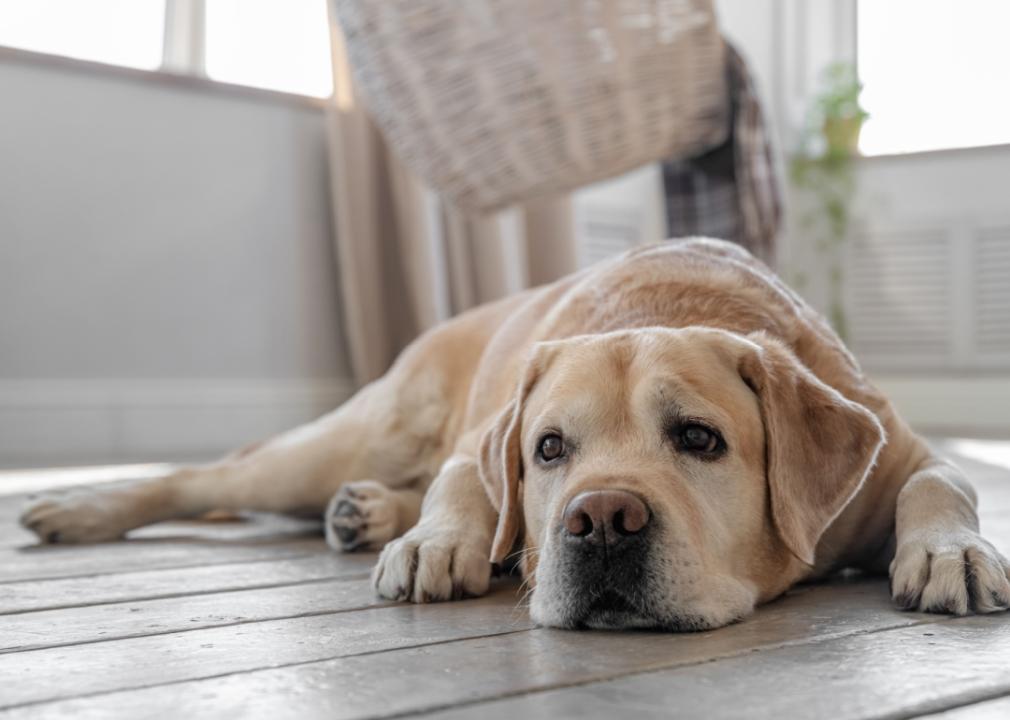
[
  {"x": 610, "y": 610},
  {"x": 610, "y": 601}
]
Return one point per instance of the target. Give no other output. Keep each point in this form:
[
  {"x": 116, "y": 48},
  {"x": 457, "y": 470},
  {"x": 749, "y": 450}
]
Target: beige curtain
[{"x": 407, "y": 260}]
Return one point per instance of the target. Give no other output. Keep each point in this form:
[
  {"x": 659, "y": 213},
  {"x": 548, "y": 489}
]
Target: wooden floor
[{"x": 257, "y": 619}]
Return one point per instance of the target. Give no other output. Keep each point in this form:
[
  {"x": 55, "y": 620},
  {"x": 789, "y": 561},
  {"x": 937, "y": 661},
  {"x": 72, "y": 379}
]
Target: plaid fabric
[{"x": 732, "y": 191}]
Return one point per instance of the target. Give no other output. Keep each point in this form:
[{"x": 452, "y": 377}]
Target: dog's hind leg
[
  {"x": 391, "y": 431},
  {"x": 398, "y": 431}
]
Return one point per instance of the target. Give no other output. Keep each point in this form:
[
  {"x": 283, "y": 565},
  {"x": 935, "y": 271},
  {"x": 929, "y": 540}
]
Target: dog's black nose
[{"x": 605, "y": 516}]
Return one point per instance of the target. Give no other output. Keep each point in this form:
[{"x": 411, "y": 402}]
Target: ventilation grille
[
  {"x": 605, "y": 232},
  {"x": 935, "y": 298},
  {"x": 992, "y": 291},
  {"x": 899, "y": 292}
]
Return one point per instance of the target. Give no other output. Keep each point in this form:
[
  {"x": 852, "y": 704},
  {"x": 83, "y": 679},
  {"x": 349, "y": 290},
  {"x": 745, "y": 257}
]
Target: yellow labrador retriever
[{"x": 664, "y": 440}]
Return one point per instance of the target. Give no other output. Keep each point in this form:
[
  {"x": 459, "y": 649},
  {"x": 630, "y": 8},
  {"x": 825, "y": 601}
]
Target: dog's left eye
[{"x": 698, "y": 439}]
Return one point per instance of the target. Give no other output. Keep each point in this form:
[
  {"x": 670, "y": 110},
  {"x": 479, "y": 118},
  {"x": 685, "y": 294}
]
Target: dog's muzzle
[{"x": 603, "y": 546}]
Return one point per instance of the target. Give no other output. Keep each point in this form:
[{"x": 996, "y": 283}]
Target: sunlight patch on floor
[
  {"x": 994, "y": 452},
  {"x": 22, "y": 481}
]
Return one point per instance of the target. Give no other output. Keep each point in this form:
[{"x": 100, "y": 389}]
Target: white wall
[{"x": 167, "y": 282}]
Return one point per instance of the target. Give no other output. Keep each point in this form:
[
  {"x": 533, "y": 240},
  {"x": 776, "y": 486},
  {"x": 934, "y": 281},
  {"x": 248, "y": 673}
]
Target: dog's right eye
[
  {"x": 699, "y": 440},
  {"x": 551, "y": 447}
]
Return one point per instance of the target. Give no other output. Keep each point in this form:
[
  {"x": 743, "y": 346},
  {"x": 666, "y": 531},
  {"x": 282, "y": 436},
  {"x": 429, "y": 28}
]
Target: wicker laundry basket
[{"x": 497, "y": 101}]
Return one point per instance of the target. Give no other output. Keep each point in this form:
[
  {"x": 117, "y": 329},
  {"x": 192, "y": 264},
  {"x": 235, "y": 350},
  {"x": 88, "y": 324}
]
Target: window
[
  {"x": 119, "y": 32},
  {"x": 275, "y": 44},
  {"x": 934, "y": 74}
]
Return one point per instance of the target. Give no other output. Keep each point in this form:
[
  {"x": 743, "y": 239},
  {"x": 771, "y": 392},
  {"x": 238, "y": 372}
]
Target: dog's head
[{"x": 669, "y": 478}]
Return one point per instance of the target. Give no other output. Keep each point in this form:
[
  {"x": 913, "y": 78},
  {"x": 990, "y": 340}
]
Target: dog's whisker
[{"x": 521, "y": 554}]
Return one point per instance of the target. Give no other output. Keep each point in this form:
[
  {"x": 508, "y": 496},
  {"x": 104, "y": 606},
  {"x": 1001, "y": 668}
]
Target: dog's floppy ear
[
  {"x": 501, "y": 463},
  {"x": 819, "y": 446}
]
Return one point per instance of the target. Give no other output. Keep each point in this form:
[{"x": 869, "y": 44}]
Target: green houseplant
[
  {"x": 823, "y": 178},
  {"x": 840, "y": 113}
]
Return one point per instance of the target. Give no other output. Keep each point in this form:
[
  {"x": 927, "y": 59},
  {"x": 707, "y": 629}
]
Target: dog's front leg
[
  {"x": 942, "y": 563},
  {"x": 444, "y": 556}
]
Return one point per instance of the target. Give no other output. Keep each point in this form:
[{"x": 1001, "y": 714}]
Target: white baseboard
[
  {"x": 58, "y": 422},
  {"x": 959, "y": 406}
]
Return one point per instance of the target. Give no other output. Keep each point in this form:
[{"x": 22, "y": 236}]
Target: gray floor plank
[
  {"x": 844, "y": 639},
  {"x": 71, "y": 626},
  {"x": 467, "y": 671},
  {"x": 38, "y": 675},
  {"x": 33, "y": 595},
  {"x": 898, "y": 673},
  {"x": 12, "y": 535},
  {"x": 62, "y": 561}
]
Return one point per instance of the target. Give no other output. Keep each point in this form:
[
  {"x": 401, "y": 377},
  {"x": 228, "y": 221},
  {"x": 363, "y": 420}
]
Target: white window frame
[
  {"x": 185, "y": 47},
  {"x": 183, "y": 58},
  {"x": 809, "y": 35}
]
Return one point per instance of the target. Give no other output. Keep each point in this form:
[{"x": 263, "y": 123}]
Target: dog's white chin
[
  {"x": 730, "y": 601},
  {"x": 632, "y": 621},
  {"x": 620, "y": 621}
]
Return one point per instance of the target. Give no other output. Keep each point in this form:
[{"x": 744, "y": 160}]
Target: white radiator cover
[
  {"x": 604, "y": 232},
  {"x": 617, "y": 215},
  {"x": 992, "y": 292},
  {"x": 931, "y": 297},
  {"x": 935, "y": 297}
]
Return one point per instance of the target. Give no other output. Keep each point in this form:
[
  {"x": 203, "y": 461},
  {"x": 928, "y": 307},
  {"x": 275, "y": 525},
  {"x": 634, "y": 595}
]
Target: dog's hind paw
[{"x": 77, "y": 516}]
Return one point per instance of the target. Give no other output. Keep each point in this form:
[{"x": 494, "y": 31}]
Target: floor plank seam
[
  {"x": 651, "y": 670},
  {"x": 85, "y": 576},
  {"x": 177, "y": 631},
  {"x": 363, "y": 653},
  {"x": 498, "y": 696},
  {"x": 170, "y": 596},
  {"x": 965, "y": 700}
]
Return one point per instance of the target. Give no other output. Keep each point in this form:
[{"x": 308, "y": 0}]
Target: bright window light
[
  {"x": 994, "y": 452},
  {"x": 275, "y": 44},
  {"x": 118, "y": 32},
  {"x": 935, "y": 74}
]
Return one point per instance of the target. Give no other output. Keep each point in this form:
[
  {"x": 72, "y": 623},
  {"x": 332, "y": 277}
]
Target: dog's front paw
[
  {"x": 363, "y": 515},
  {"x": 950, "y": 573},
  {"x": 80, "y": 516},
  {"x": 432, "y": 563}
]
